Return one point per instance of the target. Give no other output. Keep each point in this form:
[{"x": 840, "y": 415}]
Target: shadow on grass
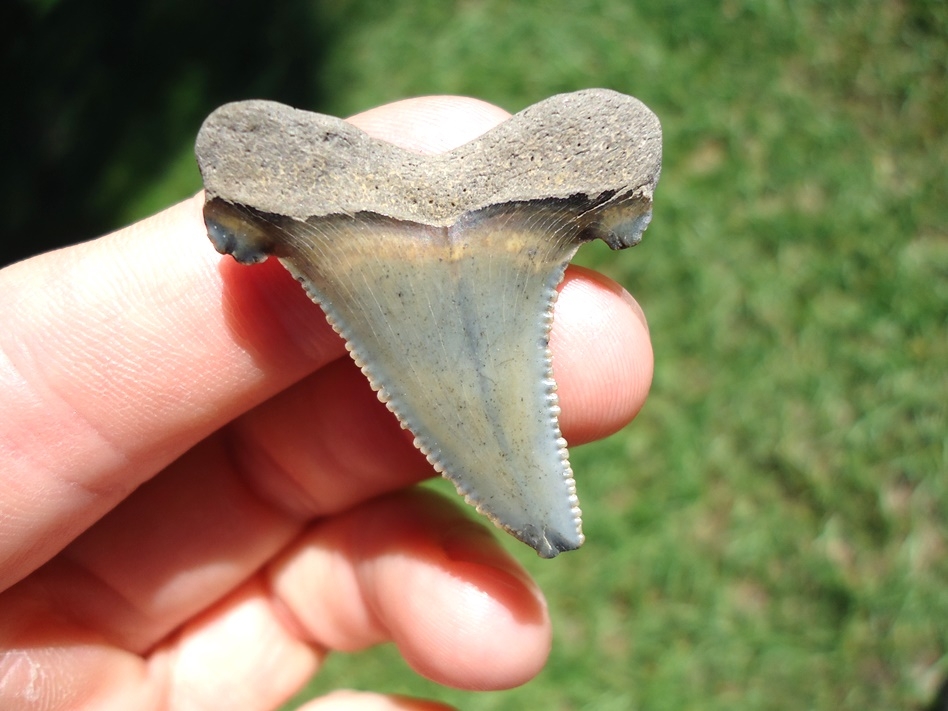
[{"x": 106, "y": 98}]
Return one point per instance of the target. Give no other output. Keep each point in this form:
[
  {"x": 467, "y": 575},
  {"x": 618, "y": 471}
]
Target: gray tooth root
[{"x": 441, "y": 271}]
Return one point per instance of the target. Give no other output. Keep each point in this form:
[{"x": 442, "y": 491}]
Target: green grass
[{"x": 771, "y": 532}]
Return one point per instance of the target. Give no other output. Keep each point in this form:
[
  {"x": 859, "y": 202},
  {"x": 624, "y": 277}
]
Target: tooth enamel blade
[{"x": 451, "y": 327}]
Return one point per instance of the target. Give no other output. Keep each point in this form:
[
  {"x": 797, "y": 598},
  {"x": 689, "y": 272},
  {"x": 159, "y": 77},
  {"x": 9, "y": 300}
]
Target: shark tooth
[{"x": 440, "y": 271}]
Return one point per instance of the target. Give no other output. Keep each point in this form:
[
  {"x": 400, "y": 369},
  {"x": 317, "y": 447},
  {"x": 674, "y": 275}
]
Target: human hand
[{"x": 200, "y": 496}]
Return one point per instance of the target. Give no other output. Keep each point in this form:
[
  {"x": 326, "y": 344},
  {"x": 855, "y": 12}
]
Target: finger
[
  {"x": 408, "y": 123},
  {"x": 45, "y": 663},
  {"x": 602, "y": 355},
  {"x": 119, "y": 354},
  {"x": 316, "y": 449},
  {"x": 367, "y": 701},
  {"x": 237, "y": 655},
  {"x": 180, "y": 542},
  {"x": 410, "y": 568}
]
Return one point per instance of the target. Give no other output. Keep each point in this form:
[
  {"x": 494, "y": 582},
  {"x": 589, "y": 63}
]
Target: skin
[{"x": 200, "y": 496}]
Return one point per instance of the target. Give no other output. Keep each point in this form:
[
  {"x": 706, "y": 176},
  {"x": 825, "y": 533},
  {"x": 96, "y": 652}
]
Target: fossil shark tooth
[{"x": 440, "y": 271}]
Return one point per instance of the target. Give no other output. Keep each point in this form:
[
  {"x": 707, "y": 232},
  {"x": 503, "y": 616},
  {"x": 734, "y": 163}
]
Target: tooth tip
[{"x": 548, "y": 543}]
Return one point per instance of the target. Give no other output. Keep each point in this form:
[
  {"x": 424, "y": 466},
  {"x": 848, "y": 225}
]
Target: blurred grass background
[{"x": 771, "y": 531}]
